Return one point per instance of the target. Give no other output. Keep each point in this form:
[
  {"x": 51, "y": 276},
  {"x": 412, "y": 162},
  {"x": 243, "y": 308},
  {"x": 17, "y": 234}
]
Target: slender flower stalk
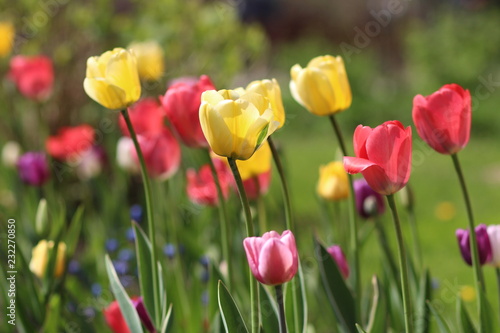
[
  {"x": 254, "y": 286},
  {"x": 225, "y": 233},
  {"x": 288, "y": 221},
  {"x": 353, "y": 226},
  {"x": 403, "y": 266},
  {"x": 281, "y": 307},
  {"x": 150, "y": 217}
]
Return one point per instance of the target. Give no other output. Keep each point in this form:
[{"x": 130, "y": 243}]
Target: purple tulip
[
  {"x": 368, "y": 202},
  {"x": 143, "y": 314},
  {"x": 33, "y": 168},
  {"x": 339, "y": 257},
  {"x": 483, "y": 244}
]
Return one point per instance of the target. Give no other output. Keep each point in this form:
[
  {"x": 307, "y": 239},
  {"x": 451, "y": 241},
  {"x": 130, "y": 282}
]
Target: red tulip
[
  {"x": 162, "y": 154},
  {"x": 272, "y": 258},
  {"x": 443, "y": 119},
  {"x": 116, "y": 322},
  {"x": 182, "y": 103},
  {"x": 33, "y": 76},
  {"x": 383, "y": 156},
  {"x": 257, "y": 185},
  {"x": 70, "y": 143},
  {"x": 146, "y": 116},
  {"x": 201, "y": 188}
]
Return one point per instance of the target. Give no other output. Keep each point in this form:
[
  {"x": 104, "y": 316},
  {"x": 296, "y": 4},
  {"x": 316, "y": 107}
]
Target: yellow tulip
[
  {"x": 112, "y": 79},
  {"x": 322, "y": 87},
  {"x": 40, "y": 258},
  {"x": 149, "y": 57},
  {"x": 271, "y": 90},
  {"x": 333, "y": 182},
  {"x": 236, "y": 125},
  {"x": 7, "y": 34}
]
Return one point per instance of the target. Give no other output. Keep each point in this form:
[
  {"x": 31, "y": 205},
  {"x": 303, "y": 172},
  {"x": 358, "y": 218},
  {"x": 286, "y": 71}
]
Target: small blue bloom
[
  {"x": 204, "y": 298},
  {"x": 111, "y": 244},
  {"x": 136, "y": 213},
  {"x": 96, "y": 289},
  {"x": 73, "y": 267},
  {"x": 121, "y": 267},
  {"x": 204, "y": 261},
  {"x": 169, "y": 250},
  {"x": 125, "y": 254},
  {"x": 131, "y": 234},
  {"x": 205, "y": 276}
]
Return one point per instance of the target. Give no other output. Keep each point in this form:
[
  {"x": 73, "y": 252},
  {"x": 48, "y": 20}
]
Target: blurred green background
[{"x": 389, "y": 59}]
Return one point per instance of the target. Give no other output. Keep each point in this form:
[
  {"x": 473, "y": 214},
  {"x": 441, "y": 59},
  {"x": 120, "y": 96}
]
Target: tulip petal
[
  {"x": 253, "y": 246},
  {"x": 109, "y": 96},
  {"x": 121, "y": 71},
  {"x": 275, "y": 262}
]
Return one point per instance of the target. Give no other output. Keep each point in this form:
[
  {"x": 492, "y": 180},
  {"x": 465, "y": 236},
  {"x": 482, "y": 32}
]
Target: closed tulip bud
[
  {"x": 71, "y": 143},
  {"x": 383, "y": 156},
  {"x": 483, "y": 244},
  {"x": 443, "y": 119},
  {"x": 7, "y": 34},
  {"x": 270, "y": 89},
  {"x": 236, "y": 125},
  {"x": 182, "y": 107},
  {"x": 112, "y": 79},
  {"x": 10, "y": 153},
  {"x": 333, "y": 183},
  {"x": 33, "y": 76},
  {"x": 368, "y": 202},
  {"x": 322, "y": 87},
  {"x": 33, "y": 168},
  {"x": 40, "y": 258},
  {"x": 149, "y": 55},
  {"x": 273, "y": 257},
  {"x": 494, "y": 236},
  {"x": 338, "y": 255}
]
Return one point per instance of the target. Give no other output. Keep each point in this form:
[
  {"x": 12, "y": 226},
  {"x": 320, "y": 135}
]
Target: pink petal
[{"x": 276, "y": 263}]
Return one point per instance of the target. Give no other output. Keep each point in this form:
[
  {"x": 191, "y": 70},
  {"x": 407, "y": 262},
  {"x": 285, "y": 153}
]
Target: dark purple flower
[
  {"x": 33, "y": 168},
  {"x": 338, "y": 255},
  {"x": 143, "y": 313},
  {"x": 483, "y": 244},
  {"x": 368, "y": 202}
]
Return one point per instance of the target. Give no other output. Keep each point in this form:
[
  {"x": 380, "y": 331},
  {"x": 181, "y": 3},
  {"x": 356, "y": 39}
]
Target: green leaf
[
  {"x": 42, "y": 217},
  {"x": 262, "y": 136},
  {"x": 231, "y": 315},
  {"x": 464, "y": 321},
  {"x": 422, "y": 311},
  {"x": 442, "y": 324},
  {"x": 126, "y": 307},
  {"x": 268, "y": 311},
  {"x": 166, "y": 320},
  {"x": 73, "y": 233},
  {"x": 361, "y": 330},
  {"x": 336, "y": 289},
  {"x": 378, "y": 314},
  {"x": 298, "y": 284},
  {"x": 488, "y": 320},
  {"x": 143, "y": 251},
  {"x": 53, "y": 315}
]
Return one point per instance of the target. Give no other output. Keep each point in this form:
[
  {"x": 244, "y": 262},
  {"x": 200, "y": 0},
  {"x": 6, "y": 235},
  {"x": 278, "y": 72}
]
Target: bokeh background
[{"x": 392, "y": 49}]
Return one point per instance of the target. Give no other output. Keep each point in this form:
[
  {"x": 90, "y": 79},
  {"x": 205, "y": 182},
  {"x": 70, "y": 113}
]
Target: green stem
[
  {"x": 353, "y": 226},
  {"x": 414, "y": 231},
  {"x": 288, "y": 221},
  {"x": 478, "y": 274},
  {"x": 151, "y": 225},
  {"x": 382, "y": 236},
  {"x": 225, "y": 234},
  {"x": 254, "y": 286},
  {"x": 281, "y": 307},
  {"x": 403, "y": 266}
]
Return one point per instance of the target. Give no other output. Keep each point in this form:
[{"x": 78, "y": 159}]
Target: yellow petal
[
  {"x": 121, "y": 71},
  {"x": 109, "y": 96}
]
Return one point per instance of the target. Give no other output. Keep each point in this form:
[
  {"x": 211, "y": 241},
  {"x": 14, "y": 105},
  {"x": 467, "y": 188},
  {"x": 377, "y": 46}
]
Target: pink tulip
[
  {"x": 182, "y": 103},
  {"x": 272, "y": 258},
  {"x": 443, "y": 119},
  {"x": 33, "y": 76},
  {"x": 147, "y": 117},
  {"x": 383, "y": 156},
  {"x": 338, "y": 255},
  {"x": 201, "y": 188},
  {"x": 162, "y": 154}
]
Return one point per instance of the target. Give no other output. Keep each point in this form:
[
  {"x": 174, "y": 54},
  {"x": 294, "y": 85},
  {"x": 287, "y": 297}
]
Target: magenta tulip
[
  {"x": 338, "y": 255},
  {"x": 483, "y": 244}
]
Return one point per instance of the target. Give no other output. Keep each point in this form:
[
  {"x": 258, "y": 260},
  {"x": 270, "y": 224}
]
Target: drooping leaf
[
  {"x": 126, "y": 307},
  {"x": 231, "y": 315},
  {"x": 336, "y": 289},
  {"x": 378, "y": 314}
]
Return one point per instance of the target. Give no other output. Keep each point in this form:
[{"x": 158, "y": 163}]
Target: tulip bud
[
  {"x": 40, "y": 258},
  {"x": 272, "y": 258},
  {"x": 149, "y": 55},
  {"x": 338, "y": 255},
  {"x": 483, "y": 244},
  {"x": 322, "y": 87},
  {"x": 112, "y": 79},
  {"x": 333, "y": 182}
]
